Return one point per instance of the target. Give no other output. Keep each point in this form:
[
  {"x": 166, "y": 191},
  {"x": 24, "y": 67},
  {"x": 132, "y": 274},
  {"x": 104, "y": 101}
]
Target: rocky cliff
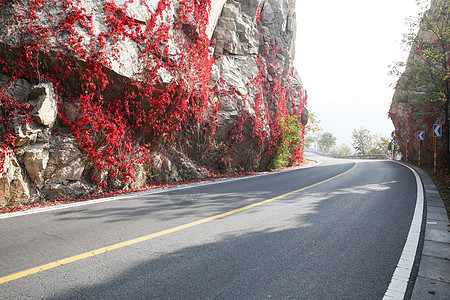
[
  {"x": 106, "y": 95},
  {"x": 421, "y": 94}
]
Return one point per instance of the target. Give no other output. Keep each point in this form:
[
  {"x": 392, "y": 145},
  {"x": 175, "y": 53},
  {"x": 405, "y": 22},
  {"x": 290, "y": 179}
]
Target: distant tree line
[{"x": 364, "y": 142}]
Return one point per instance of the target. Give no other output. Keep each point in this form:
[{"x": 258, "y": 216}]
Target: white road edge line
[
  {"x": 400, "y": 278},
  {"x": 137, "y": 194}
]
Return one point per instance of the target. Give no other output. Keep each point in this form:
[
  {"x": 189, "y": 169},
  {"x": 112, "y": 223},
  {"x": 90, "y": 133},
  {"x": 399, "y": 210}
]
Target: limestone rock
[
  {"x": 18, "y": 90},
  {"x": 15, "y": 187},
  {"x": 244, "y": 38},
  {"x": 232, "y": 71},
  {"x": 64, "y": 190},
  {"x": 66, "y": 162},
  {"x": 305, "y": 116},
  {"x": 140, "y": 178},
  {"x": 123, "y": 55},
  {"x": 241, "y": 31},
  {"x": 64, "y": 171},
  {"x": 236, "y": 32},
  {"x": 35, "y": 159},
  {"x": 176, "y": 166},
  {"x": 44, "y": 101},
  {"x": 26, "y": 133},
  {"x": 214, "y": 15},
  {"x": 71, "y": 110},
  {"x": 407, "y": 111},
  {"x": 158, "y": 168}
]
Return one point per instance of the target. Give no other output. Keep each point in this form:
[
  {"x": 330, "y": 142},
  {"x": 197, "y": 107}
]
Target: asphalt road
[{"x": 336, "y": 232}]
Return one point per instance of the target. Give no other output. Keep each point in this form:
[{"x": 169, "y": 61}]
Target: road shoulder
[{"x": 433, "y": 279}]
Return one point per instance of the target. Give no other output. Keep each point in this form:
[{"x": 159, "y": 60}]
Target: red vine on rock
[
  {"x": 103, "y": 126},
  {"x": 168, "y": 91}
]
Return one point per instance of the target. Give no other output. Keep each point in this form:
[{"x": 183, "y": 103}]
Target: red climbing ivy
[
  {"x": 119, "y": 117},
  {"x": 107, "y": 128},
  {"x": 273, "y": 101}
]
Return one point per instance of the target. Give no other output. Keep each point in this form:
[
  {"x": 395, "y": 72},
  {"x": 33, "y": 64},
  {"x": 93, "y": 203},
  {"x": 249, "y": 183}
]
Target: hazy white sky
[{"x": 343, "y": 51}]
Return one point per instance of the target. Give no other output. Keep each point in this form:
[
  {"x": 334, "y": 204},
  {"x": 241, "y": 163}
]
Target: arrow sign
[
  {"x": 394, "y": 142},
  {"x": 421, "y": 135},
  {"x": 437, "y": 130}
]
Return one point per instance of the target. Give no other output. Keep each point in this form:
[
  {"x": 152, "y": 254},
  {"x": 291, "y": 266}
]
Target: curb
[{"x": 433, "y": 278}]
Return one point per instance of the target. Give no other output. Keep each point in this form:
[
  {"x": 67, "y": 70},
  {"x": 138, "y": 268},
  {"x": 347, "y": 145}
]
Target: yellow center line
[{"x": 153, "y": 235}]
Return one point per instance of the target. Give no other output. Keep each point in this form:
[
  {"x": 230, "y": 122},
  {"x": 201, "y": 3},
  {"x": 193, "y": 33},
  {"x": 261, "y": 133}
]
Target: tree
[
  {"x": 362, "y": 140},
  {"x": 381, "y": 146},
  {"x": 313, "y": 130},
  {"x": 345, "y": 150},
  {"x": 425, "y": 81},
  {"x": 342, "y": 150},
  {"x": 326, "y": 141}
]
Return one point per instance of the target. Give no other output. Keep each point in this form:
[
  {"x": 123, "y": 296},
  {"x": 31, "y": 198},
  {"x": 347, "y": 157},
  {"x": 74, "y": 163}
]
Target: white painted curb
[{"x": 400, "y": 278}]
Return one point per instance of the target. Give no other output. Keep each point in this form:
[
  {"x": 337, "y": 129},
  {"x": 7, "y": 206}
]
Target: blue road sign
[
  {"x": 394, "y": 142},
  {"x": 437, "y": 130},
  {"x": 421, "y": 135}
]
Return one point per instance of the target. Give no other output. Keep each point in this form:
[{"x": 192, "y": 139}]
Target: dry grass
[{"x": 442, "y": 183}]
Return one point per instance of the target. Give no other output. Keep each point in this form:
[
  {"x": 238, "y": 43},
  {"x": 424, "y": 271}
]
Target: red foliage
[
  {"x": 270, "y": 104},
  {"x": 103, "y": 127},
  {"x": 108, "y": 131}
]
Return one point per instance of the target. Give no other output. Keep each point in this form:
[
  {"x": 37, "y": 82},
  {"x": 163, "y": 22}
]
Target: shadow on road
[{"x": 342, "y": 243}]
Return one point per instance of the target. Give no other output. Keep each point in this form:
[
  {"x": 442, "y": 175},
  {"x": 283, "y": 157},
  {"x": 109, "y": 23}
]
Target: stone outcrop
[
  {"x": 44, "y": 165},
  {"x": 246, "y": 48},
  {"x": 412, "y": 108},
  {"x": 253, "y": 49},
  {"x": 15, "y": 187}
]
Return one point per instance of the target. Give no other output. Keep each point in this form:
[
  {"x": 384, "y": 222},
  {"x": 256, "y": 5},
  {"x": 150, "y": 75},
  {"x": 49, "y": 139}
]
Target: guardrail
[
  {"x": 368, "y": 156},
  {"x": 371, "y": 156}
]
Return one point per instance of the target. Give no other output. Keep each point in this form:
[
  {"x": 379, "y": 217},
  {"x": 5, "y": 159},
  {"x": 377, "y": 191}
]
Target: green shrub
[{"x": 288, "y": 149}]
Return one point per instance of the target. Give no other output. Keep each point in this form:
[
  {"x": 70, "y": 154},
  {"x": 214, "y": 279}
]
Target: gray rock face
[
  {"x": 15, "y": 188},
  {"x": 26, "y": 132},
  {"x": 54, "y": 191},
  {"x": 35, "y": 160},
  {"x": 251, "y": 38},
  {"x": 18, "y": 91},
  {"x": 409, "y": 112},
  {"x": 123, "y": 55},
  {"x": 45, "y": 166},
  {"x": 66, "y": 163},
  {"x": 215, "y": 13},
  {"x": 45, "y": 108},
  {"x": 236, "y": 32},
  {"x": 305, "y": 116},
  {"x": 44, "y": 101}
]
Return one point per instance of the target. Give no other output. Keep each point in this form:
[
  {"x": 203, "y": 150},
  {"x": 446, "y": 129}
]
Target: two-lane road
[{"x": 333, "y": 231}]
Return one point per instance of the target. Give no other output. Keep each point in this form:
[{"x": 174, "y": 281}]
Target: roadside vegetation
[
  {"x": 289, "y": 142},
  {"x": 442, "y": 182},
  {"x": 423, "y": 87},
  {"x": 366, "y": 143}
]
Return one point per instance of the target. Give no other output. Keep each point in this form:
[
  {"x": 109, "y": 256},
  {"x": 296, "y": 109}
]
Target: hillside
[
  {"x": 110, "y": 95},
  {"x": 421, "y": 97}
]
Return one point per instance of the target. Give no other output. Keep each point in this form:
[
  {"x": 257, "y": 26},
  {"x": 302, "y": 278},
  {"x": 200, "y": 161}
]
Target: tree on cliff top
[{"x": 425, "y": 81}]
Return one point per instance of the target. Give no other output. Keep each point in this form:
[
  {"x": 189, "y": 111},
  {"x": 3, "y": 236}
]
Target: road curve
[{"x": 333, "y": 231}]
